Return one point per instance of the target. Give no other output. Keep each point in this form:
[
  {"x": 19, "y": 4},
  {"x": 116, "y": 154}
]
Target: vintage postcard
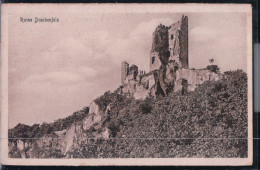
[{"x": 126, "y": 84}]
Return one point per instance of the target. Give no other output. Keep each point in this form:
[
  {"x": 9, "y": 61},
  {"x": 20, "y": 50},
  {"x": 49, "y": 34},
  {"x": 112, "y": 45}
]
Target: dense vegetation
[
  {"x": 37, "y": 130},
  {"x": 208, "y": 122}
]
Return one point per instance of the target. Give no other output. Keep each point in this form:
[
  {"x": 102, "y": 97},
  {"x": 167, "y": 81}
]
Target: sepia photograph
[{"x": 126, "y": 84}]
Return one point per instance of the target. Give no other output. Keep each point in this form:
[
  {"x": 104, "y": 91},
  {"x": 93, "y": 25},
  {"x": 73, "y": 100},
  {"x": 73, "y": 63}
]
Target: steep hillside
[
  {"x": 193, "y": 125},
  {"x": 208, "y": 122}
]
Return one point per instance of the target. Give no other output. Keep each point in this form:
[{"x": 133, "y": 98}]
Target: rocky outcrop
[
  {"x": 93, "y": 117},
  {"x": 141, "y": 87},
  {"x": 167, "y": 77},
  {"x": 20, "y": 145}
]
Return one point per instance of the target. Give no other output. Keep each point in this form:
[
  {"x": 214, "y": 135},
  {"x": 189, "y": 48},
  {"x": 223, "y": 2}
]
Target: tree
[{"x": 211, "y": 60}]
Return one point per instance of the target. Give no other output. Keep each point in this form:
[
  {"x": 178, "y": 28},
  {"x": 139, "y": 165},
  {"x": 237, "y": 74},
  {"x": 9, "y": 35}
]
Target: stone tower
[
  {"x": 178, "y": 42},
  {"x": 133, "y": 70},
  {"x": 170, "y": 44},
  {"x": 124, "y": 71},
  {"x": 159, "y": 51}
]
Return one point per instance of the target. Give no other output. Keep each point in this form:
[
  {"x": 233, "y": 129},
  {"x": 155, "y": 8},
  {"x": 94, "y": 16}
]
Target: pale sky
[{"x": 56, "y": 69}]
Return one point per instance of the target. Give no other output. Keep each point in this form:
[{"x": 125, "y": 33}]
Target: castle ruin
[
  {"x": 124, "y": 71},
  {"x": 170, "y": 44},
  {"x": 169, "y": 65}
]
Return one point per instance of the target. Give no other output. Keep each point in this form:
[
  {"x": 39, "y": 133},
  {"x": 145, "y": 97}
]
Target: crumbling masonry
[
  {"x": 169, "y": 65},
  {"x": 170, "y": 44}
]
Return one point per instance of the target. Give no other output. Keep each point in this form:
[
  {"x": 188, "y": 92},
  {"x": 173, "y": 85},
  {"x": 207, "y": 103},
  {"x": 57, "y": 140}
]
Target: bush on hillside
[{"x": 213, "y": 68}]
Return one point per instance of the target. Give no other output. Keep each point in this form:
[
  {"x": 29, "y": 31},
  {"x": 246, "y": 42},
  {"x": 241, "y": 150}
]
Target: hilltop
[{"x": 210, "y": 119}]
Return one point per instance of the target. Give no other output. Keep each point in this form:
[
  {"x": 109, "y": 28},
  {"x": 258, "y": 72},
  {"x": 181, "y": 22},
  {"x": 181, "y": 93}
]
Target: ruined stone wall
[
  {"x": 159, "y": 47},
  {"x": 194, "y": 78},
  {"x": 146, "y": 87},
  {"x": 184, "y": 44},
  {"x": 174, "y": 41},
  {"x": 124, "y": 71},
  {"x": 133, "y": 71}
]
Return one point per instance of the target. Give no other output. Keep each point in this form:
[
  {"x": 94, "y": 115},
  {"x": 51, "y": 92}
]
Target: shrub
[
  {"x": 146, "y": 106},
  {"x": 213, "y": 68}
]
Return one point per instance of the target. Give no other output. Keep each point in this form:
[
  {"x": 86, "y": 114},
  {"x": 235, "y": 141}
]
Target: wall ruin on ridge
[{"x": 194, "y": 78}]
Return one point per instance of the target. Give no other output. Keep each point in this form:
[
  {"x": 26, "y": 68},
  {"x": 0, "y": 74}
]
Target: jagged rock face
[
  {"x": 166, "y": 78},
  {"x": 105, "y": 134},
  {"x": 170, "y": 72},
  {"x": 130, "y": 87},
  {"x": 140, "y": 88},
  {"x": 63, "y": 141},
  {"x": 20, "y": 145},
  {"x": 93, "y": 108},
  {"x": 146, "y": 87},
  {"x": 90, "y": 120},
  {"x": 93, "y": 117},
  {"x": 77, "y": 132},
  {"x": 69, "y": 137}
]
